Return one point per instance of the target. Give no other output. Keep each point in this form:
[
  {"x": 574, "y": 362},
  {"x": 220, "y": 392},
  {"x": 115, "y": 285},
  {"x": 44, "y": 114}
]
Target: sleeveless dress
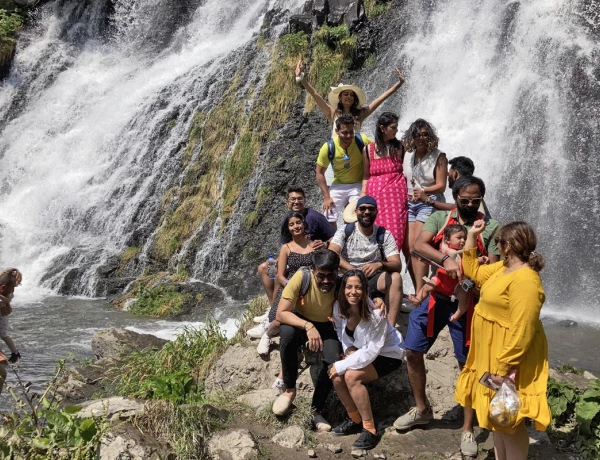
[
  {"x": 387, "y": 185},
  {"x": 294, "y": 262}
]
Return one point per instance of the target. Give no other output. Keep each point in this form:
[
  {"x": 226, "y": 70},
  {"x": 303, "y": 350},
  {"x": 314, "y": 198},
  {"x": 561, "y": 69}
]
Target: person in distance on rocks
[
  {"x": 425, "y": 322},
  {"x": 372, "y": 349},
  {"x": 379, "y": 260},
  {"x": 9, "y": 280},
  {"x": 318, "y": 229}
]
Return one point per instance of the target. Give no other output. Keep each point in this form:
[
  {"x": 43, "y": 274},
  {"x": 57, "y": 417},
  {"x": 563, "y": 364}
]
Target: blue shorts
[
  {"x": 416, "y": 336},
  {"x": 420, "y": 211}
]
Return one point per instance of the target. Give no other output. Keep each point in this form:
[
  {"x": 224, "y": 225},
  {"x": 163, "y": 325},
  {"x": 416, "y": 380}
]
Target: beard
[{"x": 468, "y": 212}]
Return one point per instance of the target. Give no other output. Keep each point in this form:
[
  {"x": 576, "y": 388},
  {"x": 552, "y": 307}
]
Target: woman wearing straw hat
[{"x": 346, "y": 99}]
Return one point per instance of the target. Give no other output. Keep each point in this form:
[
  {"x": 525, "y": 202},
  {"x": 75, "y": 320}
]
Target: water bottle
[{"x": 272, "y": 267}]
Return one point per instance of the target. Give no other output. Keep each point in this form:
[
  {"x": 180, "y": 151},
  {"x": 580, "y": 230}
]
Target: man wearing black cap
[{"x": 373, "y": 250}]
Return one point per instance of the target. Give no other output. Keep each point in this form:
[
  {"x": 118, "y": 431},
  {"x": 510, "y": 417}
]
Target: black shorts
[
  {"x": 384, "y": 365},
  {"x": 373, "y": 292}
]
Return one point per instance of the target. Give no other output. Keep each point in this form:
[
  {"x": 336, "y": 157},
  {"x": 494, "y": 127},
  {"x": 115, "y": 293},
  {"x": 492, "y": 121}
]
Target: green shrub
[
  {"x": 176, "y": 371},
  {"x": 159, "y": 302},
  {"x": 10, "y": 22},
  {"x": 374, "y": 9}
]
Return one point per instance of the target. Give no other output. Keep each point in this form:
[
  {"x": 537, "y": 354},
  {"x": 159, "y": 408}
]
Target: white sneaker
[
  {"x": 261, "y": 318},
  {"x": 264, "y": 345},
  {"x": 258, "y": 331}
]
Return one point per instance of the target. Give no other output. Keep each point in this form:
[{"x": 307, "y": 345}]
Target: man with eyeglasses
[
  {"x": 468, "y": 193},
  {"x": 319, "y": 229},
  {"x": 380, "y": 263},
  {"x": 347, "y": 165},
  {"x": 305, "y": 319}
]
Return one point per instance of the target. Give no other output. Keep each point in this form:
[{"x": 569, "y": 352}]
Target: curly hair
[
  {"x": 409, "y": 136},
  {"x": 10, "y": 277}
]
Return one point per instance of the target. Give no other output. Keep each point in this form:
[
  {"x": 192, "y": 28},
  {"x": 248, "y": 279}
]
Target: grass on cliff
[
  {"x": 10, "y": 23},
  {"x": 159, "y": 302}
]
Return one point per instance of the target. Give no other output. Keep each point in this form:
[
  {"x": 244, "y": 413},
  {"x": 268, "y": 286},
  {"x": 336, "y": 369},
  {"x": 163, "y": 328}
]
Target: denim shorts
[
  {"x": 416, "y": 336},
  {"x": 419, "y": 211}
]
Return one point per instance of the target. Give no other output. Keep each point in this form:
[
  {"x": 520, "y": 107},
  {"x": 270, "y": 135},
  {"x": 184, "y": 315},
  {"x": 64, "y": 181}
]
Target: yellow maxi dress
[{"x": 506, "y": 333}]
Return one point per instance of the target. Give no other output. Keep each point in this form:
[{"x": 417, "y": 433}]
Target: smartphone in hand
[{"x": 486, "y": 381}]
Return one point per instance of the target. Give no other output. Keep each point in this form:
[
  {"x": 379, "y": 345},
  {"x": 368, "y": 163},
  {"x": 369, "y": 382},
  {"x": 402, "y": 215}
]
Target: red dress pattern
[{"x": 387, "y": 184}]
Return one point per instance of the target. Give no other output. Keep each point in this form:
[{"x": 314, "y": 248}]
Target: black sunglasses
[
  {"x": 466, "y": 201},
  {"x": 331, "y": 277},
  {"x": 366, "y": 208}
]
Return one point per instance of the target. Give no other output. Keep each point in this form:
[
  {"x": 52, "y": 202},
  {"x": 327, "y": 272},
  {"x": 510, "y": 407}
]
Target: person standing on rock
[
  {"x": 346, "y": 100},
  {"x": 427, "y": 320},
  {"x": 344, "y": 154},
  {"x": 372, "y": 349},
  {"x": 9, "y": 280},
  {"x": 318, "y": 229}
]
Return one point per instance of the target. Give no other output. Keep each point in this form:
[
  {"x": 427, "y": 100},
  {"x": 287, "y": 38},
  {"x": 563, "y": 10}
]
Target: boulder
[
  {"x": 291, "y": 437},
  {"x": 349, "y": 12},
  {"x": 127, "y": 442},
  {"x": 116, "y": 407},
  {"x": 115, "y": 342},
  {"x": 259, "y": 399},
  {"x": 301, "y": 23},
  {"x": 233, "y": 445}
]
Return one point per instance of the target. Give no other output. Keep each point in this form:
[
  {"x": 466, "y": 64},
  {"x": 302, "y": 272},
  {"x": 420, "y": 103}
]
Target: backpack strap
[
  {"x": 330, "y": 150},
  {"x": 359, "y": 142},
  {"x": 349, "y": 230},
  {"x": 380, "y": 236},
  {"x": 305, "y": 284}
]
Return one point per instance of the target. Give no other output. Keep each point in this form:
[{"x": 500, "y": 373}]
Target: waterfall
[
  {"x": 514, "y": 86},
  {"x": 92, "y": 118},
  {"x": 101, "y": 98}
]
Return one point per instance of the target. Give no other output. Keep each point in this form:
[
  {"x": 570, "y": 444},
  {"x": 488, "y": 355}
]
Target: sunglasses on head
[
  {"x": 321, "y": 277},
  {"x": 466, "y": 201},
  {"x": 364, "y": 208}
]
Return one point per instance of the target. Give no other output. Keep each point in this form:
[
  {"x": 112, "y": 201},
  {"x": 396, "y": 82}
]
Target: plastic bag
[{"x": 505, "y": 405}]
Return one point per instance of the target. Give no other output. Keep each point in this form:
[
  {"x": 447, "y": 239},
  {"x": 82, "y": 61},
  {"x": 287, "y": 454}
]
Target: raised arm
[
  {"x": 327, "y": 110},
  {"x": 377, "y": 102},
  {"x": 471, "y": 267}
]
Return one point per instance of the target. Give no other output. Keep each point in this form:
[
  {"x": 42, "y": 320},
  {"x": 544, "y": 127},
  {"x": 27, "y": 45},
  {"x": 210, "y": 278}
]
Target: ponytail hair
[
  {"x": 522, "y": 240},
  {"x": 10, "y": 277}
]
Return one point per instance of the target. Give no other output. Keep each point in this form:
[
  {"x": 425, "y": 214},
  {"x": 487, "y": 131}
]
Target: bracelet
[
  {"x": 304, "y": 327},
  {"x": 300, "y": 78},
  {"x": 444, "y": 259},
  {"x": 312, "y": 327}
]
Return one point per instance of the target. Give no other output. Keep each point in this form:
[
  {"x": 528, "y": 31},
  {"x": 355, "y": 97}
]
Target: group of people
[{"x": 338, "y": 287}]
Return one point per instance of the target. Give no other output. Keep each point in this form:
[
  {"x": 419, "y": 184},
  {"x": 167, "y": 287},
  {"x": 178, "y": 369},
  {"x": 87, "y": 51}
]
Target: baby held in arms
[{"x": 454, "y": 241}]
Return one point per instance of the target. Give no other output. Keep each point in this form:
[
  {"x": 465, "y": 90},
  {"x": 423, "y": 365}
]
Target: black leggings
[{"x": 292, "y": 338}]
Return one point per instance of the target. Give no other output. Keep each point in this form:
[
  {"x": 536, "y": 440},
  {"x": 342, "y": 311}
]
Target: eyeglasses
[
  {"x": 465, "y": 201},
  {"x": 346, "y": 132},
  {"x": 363, "y": 209},
  {"x": 296, "y": 200},
  {"x": 421, "y": 135},
  {"x": 499, "y": 240},
  {"x": 321, "y": 277}
]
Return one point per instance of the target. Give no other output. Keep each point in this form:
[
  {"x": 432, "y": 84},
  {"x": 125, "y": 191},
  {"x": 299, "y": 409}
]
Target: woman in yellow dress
[{"x": 507, "y": 335}]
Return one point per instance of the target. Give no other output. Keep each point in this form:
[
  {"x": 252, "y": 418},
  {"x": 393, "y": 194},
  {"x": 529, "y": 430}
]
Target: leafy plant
[
  {"x": 39, "y": 429},
  {"x": 159, "y": 302}
]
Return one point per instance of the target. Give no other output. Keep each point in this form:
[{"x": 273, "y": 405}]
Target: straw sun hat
[
  {"x": 334, "y": 95},
  {"x": 349, "y": 215}
]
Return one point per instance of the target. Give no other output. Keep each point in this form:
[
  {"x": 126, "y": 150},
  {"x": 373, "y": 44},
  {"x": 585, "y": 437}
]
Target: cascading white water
[
  {"x": 505, "y": 84},
  {"x": 90, "y": 115}
]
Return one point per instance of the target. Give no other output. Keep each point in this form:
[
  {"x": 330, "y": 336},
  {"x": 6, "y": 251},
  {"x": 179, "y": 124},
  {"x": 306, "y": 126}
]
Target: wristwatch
[{"x": 431, "y": 200}]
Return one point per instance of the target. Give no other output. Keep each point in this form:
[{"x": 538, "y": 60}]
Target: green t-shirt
[
  {"x": 435, "y": 222},
  {"x": 341, "y": 175}
]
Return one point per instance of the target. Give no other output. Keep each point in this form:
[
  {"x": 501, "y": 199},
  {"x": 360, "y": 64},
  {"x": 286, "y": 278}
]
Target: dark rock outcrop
[{"x": 114, "y": 343}]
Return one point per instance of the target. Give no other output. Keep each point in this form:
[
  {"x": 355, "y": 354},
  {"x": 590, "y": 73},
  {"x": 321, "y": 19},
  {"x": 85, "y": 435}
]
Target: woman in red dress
[{"x": 384, "y": 178}]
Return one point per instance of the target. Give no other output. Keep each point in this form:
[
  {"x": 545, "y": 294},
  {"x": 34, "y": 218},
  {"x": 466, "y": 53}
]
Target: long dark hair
[
  {"x": 355, "y": 110},
  {"x": 285, "y": 231},
  {"x": 385, "y": 120},
  {"x": 364, "y": 310}
]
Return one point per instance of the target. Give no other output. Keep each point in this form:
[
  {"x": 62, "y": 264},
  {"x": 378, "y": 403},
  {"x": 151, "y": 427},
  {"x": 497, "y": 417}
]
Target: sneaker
[
  {"x": 282, "y": 405},
  {"x": 411, "y": 418},
  {"x": 261, "y": 318},
  {"x": 278, "y": 385},
  {"x": 264, "y": 345},
  {"x": 258, "y": 331},
  {"x": 366, "y": 440},
  {"x": 346, "y": 428},
  {"x": 320, "y": 423},
  {"x": 14, "y": 357},
  {"x": 468, "y": 445}
]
